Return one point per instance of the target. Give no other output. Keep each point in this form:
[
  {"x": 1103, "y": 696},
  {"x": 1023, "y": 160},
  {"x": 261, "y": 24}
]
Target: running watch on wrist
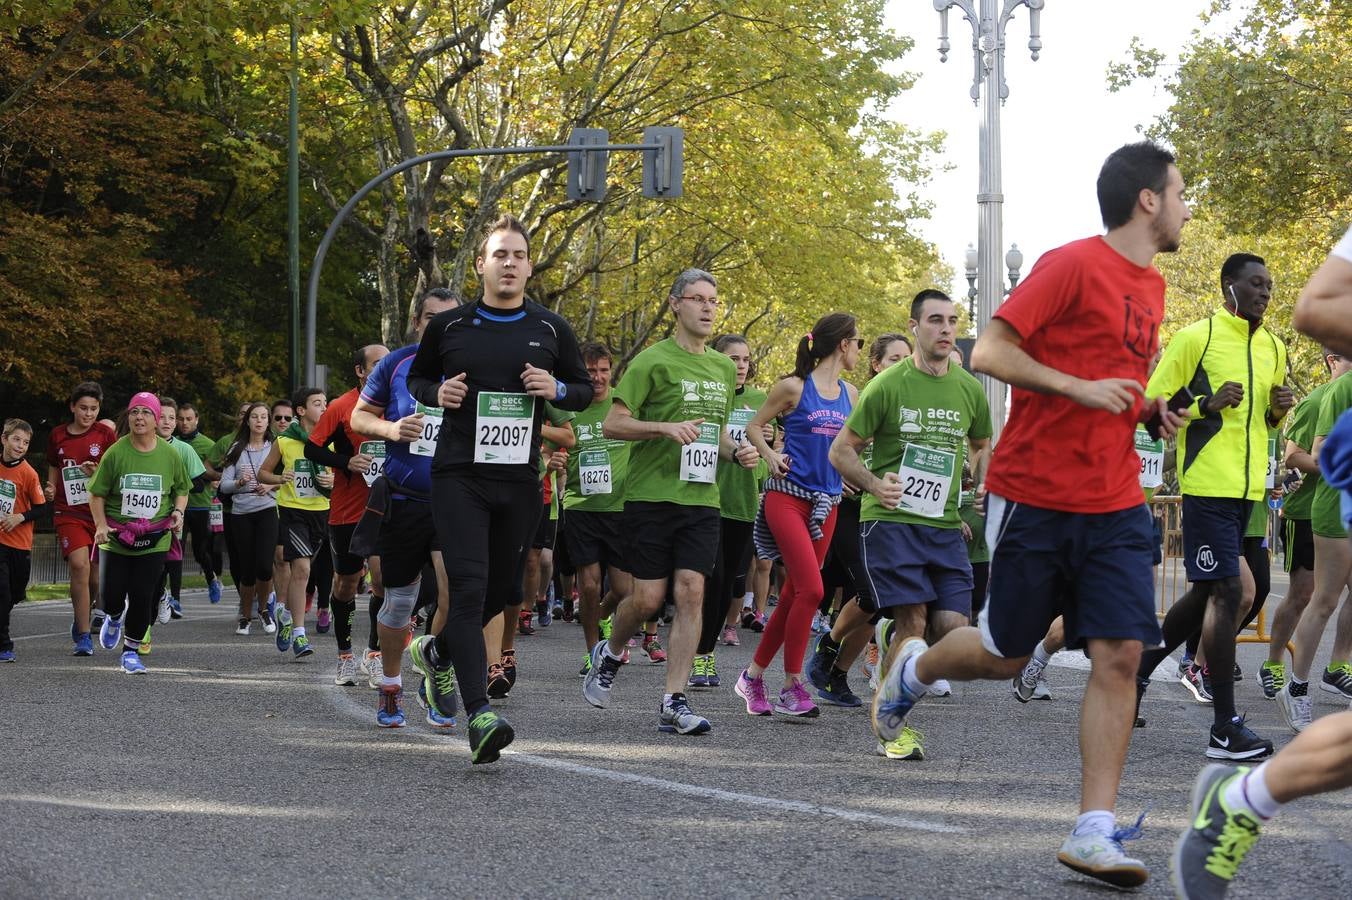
[{"x": 560, "y": 390}]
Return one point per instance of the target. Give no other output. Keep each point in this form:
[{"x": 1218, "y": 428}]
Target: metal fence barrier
[{"x": 49, "y": 568}]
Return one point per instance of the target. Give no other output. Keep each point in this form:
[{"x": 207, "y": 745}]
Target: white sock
[
  {"x": 298, "y": 632},
  {"x": 911, "y": 680},
  {"x": 1250, "y": 792},
  {"x": 1041, "y": 655},
  {"x": 748, "y": 600},
  {"x": 392, "y": 680},
  {"x": 1096, "y": 821}
]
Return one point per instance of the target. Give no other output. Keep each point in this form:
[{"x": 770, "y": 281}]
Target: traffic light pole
[{"x": 659, "y": 158}]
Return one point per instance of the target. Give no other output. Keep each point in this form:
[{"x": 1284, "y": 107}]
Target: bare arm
[
  {"x": 620, "y": 425},
  {"x": 1324, "y": 310},
  {"x": 1297, "y": 458},
  {"x": 999, "y": 353},
  {"x": 783, "y": 397},
  {"x": 562, "y": 435},
  {"x": 981, "y": 457},
  {"x": 844, "y": 456},
  {"x": 267, "y": 472}
]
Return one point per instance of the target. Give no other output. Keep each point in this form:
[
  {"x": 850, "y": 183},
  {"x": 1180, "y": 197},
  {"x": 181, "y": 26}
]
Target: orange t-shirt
[{"x": 20, "y": 491}]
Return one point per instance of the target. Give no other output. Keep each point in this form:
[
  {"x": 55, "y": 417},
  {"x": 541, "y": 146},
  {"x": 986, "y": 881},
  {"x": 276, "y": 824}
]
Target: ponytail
[{"x": 821, "y": 342}]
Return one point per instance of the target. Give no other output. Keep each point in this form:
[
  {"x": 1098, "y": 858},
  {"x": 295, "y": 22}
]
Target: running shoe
[
  {"x": 748, "y": 616},
  {"x": 163, "y": 611},
  {"x": 1102, "y": 857},
  {"x": 1184, "y": 665},
  {"x": 699, "y": 677},
  {"x": 941, "y": 688},
  {"x": 1198, "y": 683},
  {"x": 301, "y": 646},
  {"x": 752, "y": 690},
  {"x": 676, "y": 717},
  {"x": 870, "y": 665},
  {"x": 821, "y": 662},
  {"x": 323, "y": 621},
  {"x": 488, "y": 734},
  {"x": 894, "y": 700},
  {"x": 434, "y": 716},
  {"x": 653, "y": 647},
  {"x": 906, "y": 746},
  {"x": 1272, "y": 678},
  {"x": 1234, "y": 740},
  {"x": 347, "y": 670},
  {"x": 1239, "y": 673},
  {"x": 1025, "y": 683},
  {"x": 758, "y": 622},
  {"x": 214, "y": 590},
  {"x": 883, "y": 633},
  {"x": 440, "y": 682},
  {"x": 729, "y": 637},
  {"x": 390, "y": 711},
  {"x": 131, "y": 663},
  {"x": 509, "y": 666},
  {"x": 633, "y": 640},
  {"x": 242, "y": 626},
  {"x": 272, "y": 605},
  {"x": 1337, "y": 680},
  {"x": 596, "y": 686},
  {"x": 84, "y": 645},
  {"x": 1042, "y": 691},
  {"x": 837, "y": 691},
  {"x": 605, "y": 625},
  {"x": 110, "y": 631},
  {"x": 1296, "y": 706},
  {"x": 586, "y": 666},
  {"x": 544, "y": 614},
  {"x": 794, "y": 700},
  {"x": 269, "y": 623},
  {"x": 284, "y": 629},
  {"x": 498, "y": 685},
  {"x": 1217, "y": 838},
  {"x": 310, "y": 594},
  {"x": 95, "y": 623},
  {"x": 175, "y": 608},
  {"x": 1141, "y": 685},
  {"x": 7, "y": 656},
  {"x": 523, "y": 625},
  {"x": 772, "y": 600},
  {"x": 711, "y": 670},
  {"x": 821, "y": 623},
  {"x": 373, "y": 668},
  {"x": 144, "y": 649}
]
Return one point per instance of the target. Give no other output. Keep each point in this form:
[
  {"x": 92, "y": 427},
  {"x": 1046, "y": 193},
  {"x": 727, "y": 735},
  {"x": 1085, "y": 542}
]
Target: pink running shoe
[
  {"x": 730, "y": 636},
  {"x": 653, "y": 647},
  {"x": 795, "y": 701},
  {"x": 752, "y": 690}
]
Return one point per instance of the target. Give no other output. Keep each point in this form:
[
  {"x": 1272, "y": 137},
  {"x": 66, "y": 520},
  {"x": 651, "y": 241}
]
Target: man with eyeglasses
[
  {"x": 923, "y": 416},
  {"x": 674, "y": 404}
]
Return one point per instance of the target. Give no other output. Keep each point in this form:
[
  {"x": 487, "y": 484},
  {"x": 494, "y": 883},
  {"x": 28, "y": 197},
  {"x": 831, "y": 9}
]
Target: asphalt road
[{"x": 232, "y": 770}]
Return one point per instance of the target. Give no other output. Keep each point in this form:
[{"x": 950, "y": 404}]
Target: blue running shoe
[
  {"x": 84, "y": 645},
  {"x": 544, "y": 614},
  {"x": 837, "y": 691},
  {"x": 110, "y": 632},
  {"x": 438, "y": 685},
  {"x": 894, "y": 700},
  {"x": 301, "y": 646},
  {"x": 6, "y": 656},
  {"x": 434, "y": 716},
  {"x": 821, "y": 659},
  {"x": 131, "y": 663},
  {"x": 214, "y": 590},
  {"x": 390, "y": 713},
  {"x": 284, "y": 630}
]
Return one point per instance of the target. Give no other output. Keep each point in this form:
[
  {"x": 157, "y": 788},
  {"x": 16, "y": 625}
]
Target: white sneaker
[
  {"x": 165, "y": 610},
  {"x": 1041, "y": 691},
  {"x": 269, "y": 624},
  {"x": 941, "y": 688},
  {"x": 347, "y": 671},
  {"x": 1100, "y": 856},
  {"x": 1295, "y": 710},
  {"x": 243, "y": 626},
  {"x": 373, "y": 668}
]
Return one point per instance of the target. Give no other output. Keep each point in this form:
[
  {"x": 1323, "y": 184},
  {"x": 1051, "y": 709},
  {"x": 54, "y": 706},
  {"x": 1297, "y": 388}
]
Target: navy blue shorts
[
  {"x": 909, "y": 564},
  {"x": 1092, "y": 568},
  {"x": 1213, "y": 536}
]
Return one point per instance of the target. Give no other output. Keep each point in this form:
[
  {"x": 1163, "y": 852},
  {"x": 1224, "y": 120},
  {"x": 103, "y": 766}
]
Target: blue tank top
[
  {"x": 387, "y": 386},
  {"x": 808, "y": 433}
]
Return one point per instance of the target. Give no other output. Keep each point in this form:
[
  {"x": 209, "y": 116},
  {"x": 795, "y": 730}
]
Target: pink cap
[{"x": 148, "y": 400}]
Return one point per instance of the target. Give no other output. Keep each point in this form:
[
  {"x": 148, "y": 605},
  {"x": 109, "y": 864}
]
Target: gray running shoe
[
  {"x": 596, "y": 685},
  {"x": 677, "y": 717},
  {"x": 1026, "y": 682},
  {"x": 1215, "y": 841}
]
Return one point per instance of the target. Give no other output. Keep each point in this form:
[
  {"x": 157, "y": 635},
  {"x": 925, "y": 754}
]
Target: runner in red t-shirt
[
  {"x": 333, "y": 443},
  {"x": 73, "y": 453},
  {"x": 1068, "y": 532}
]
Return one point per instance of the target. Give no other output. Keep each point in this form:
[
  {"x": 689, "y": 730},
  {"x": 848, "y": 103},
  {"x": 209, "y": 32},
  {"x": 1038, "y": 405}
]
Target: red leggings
[{"x": 801, "y": 594}]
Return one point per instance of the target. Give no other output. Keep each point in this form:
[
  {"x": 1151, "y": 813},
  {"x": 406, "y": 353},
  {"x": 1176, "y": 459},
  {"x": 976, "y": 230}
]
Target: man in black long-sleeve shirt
[{"x": 486, "y": 370}]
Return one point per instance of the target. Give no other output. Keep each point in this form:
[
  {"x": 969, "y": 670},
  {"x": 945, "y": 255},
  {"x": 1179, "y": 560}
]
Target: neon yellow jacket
[{"x": 1223, "y": 454}]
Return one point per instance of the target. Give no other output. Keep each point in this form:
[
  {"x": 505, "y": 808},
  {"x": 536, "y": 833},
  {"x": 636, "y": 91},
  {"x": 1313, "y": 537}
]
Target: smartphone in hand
[{"x": 1177, "y": 403}]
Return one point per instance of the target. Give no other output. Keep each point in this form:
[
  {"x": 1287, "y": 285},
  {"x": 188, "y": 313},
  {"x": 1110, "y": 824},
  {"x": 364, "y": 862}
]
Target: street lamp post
[
  {"x": 1013, "y": 262},
  {"x": 989, "y": 89}
]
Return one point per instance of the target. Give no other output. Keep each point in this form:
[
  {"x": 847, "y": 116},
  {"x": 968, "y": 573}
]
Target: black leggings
[
  {"x": 484, "y": 527},
  {"x": 1256, "y": 555},
  {"x": 205, "y": 548},
  {"x": 14, "y": 568},
  {"x": 228, "y": 525},
  {"x": 129, "y": 583},
  {"x": 321, "y": 574},
  {"x": 1187, "y": 616},
  {"x": 254, "y": 536},
  {"x": 734, "y": 555}
]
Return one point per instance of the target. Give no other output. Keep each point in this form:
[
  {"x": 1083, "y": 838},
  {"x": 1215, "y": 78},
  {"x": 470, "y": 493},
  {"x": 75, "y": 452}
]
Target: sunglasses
[{"x": 282, "y": 418}]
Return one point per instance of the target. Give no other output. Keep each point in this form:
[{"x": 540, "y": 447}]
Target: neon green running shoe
[
  {"x": 605, "y": 626},
  {"x": 145, "y": 643},
  {"x": 1272, "y": 678},
  {"x": 488, "y": 734},
  {"x": 1210, "y": 850},
  {"x": 905, "y": 746}
]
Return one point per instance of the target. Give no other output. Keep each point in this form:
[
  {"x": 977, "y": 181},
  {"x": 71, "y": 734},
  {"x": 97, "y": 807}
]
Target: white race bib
[
  {"x": 593, "y": 472},
  {"x": 1152, "y": 459},
  {"x": 76, "y": 484},
  {"x": 503, "y": 428},
  {"x": 141, "y": 496},
  {"x": 1272, "y": 463},
  {"x": 305, "y": 486},
  {"x": 375, "y": 450},
  {"x": 699, "y": 460},
  {"x": 426, "y": 444},
  {"x": 926, "y": 478},
  {"x": 738, "y": 419},
  {"x": 9, "y": 493}
]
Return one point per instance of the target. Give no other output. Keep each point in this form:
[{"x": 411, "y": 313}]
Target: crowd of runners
[{"x": 493, "y": 475}]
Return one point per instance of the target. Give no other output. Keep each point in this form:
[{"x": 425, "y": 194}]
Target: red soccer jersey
[
  {"x": 66, "y": 451},
  {"x": 348, "y": 500},
  {"x": 1088, "y": 311}
]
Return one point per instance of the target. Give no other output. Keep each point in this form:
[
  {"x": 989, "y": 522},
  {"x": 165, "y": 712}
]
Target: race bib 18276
[{"x": 593, "y": 471}]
